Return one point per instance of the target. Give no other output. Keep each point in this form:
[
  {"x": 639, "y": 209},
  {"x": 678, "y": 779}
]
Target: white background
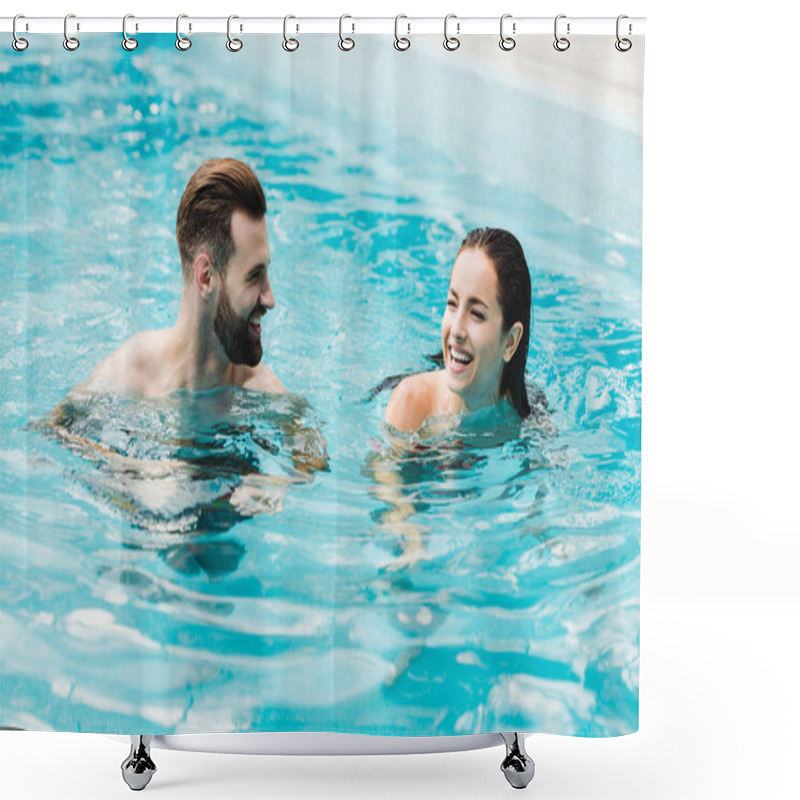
[{"x": 719, "y": 704}]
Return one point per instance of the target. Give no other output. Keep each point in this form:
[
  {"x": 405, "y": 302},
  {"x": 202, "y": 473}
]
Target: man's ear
[{"x": 203, "y": 274}]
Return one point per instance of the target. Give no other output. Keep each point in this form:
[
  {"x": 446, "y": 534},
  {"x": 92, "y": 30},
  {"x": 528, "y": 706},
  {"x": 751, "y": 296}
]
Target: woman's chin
[
  {"x": 455, "y": 383},
  {"x": 466, "y": 391}
]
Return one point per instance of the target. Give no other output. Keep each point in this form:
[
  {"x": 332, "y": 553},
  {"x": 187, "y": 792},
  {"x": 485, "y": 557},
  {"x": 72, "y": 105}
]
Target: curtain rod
[{"x": 459, "y": 26}]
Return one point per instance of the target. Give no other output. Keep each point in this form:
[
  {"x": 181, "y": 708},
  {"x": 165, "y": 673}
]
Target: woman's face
[{"x": 475, "y": 349}]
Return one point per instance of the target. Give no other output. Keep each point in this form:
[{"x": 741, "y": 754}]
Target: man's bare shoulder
[
  {"x": 411, "y": 401},
  {"x": 127, "y": 369},
  {"x": 261, "y": 379}
]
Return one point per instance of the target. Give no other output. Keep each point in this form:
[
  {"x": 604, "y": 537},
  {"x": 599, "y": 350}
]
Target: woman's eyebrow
[{"x": 469, "y": 299}]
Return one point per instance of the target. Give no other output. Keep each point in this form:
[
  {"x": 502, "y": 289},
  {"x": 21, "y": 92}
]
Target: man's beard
[{"x": 240, "y": 344}]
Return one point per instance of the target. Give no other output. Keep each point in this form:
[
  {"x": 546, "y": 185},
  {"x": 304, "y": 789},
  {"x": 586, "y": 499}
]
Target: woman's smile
[{"x": 459, "y": 360}]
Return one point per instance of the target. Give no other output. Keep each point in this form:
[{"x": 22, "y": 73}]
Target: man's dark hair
[{"x": 217, "y": 188}]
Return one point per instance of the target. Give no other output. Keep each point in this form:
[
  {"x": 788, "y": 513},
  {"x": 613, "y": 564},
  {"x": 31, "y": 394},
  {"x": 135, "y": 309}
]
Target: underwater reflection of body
[
  {"x": 449, "y": 466},
  {"x": 438, "y": 487},
  {"x": 191, "y": 463}
]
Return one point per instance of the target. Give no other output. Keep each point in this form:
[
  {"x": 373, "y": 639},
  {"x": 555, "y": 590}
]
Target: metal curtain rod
[{"x": 460, "y": 26}]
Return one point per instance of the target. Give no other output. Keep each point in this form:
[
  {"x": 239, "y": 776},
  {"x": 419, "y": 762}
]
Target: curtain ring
[
  {"x": 345, "y": 43},
  {"x": 623, "y": 45},
  {"x": 70, "y": 42},
  {"x": 19, "y": 44},
  {"x": 289, "y": 45},
  {"x": 234, "y": 45},
  {"x": 182, "y": 42},
  {"x": 561, "y": 43},
  {"x": 128, "y": 43},
  {"x": 506, "y": 42},
  {"x": 451, "y": 42},
  {"x": 401, "y": 43}
]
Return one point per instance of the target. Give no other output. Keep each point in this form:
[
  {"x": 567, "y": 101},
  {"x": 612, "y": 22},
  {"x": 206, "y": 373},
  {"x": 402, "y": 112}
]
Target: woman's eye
[
  {"x": 451, "y": 303},
  {"x": 478, "y": 315}
]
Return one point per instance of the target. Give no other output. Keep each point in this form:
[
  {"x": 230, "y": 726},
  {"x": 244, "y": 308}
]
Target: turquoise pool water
[{"x": 194, "y": 580}]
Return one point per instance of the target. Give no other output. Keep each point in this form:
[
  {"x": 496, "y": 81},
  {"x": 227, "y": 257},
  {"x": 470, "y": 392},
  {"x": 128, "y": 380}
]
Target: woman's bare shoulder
[{"x": 411, "y": 401}]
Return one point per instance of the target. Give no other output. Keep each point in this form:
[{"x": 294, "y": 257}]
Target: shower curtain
[{"x": 327, "y": 466}]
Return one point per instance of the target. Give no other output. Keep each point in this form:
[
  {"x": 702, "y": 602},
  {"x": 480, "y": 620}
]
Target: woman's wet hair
[
  {"x": 514, "y": 296},
  {"x": 217, "y": 188}
]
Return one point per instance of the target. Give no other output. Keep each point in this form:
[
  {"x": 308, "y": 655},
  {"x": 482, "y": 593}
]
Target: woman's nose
[{"x": 459, "y": 327}]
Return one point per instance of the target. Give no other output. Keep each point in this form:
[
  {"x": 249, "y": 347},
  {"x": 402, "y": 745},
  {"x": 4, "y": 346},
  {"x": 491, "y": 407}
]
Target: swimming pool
[{"x": 489, "y": 581}]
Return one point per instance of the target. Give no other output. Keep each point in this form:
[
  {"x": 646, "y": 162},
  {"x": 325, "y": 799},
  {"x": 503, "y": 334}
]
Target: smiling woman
[{"x": 485, "y": 335}]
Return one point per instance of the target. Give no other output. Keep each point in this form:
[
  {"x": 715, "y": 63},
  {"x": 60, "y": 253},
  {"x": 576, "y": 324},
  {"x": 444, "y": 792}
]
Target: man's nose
[{"x": 267, "y": 298}]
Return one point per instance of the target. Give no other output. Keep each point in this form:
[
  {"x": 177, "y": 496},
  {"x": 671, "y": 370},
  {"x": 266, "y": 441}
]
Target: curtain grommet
[
  {"x": 128, "y": 42},
  {"x": 183, "y": 43},
  {"x": 561, "y": 43},
  {"x": 451, "y": 43},
  {"x": 289, "y": 44},
  {"x": 507, "y": 43},
  {"x": 623, "y": 44},
  {"x": 401, "y": 43},
  {"x": 346, "y": 43},
  {"x": 70, "y": 42},
  {"x": 234, "y": 45},
  {"x": 18, "y": 43}
]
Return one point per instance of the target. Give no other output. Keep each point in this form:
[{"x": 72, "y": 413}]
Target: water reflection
[
  {"x": 446, "y": 465},
  {"x": 192, "y": 464}
]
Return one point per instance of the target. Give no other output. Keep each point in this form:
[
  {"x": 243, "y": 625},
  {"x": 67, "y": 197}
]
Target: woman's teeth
[{"x": 460, "y": 358}]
